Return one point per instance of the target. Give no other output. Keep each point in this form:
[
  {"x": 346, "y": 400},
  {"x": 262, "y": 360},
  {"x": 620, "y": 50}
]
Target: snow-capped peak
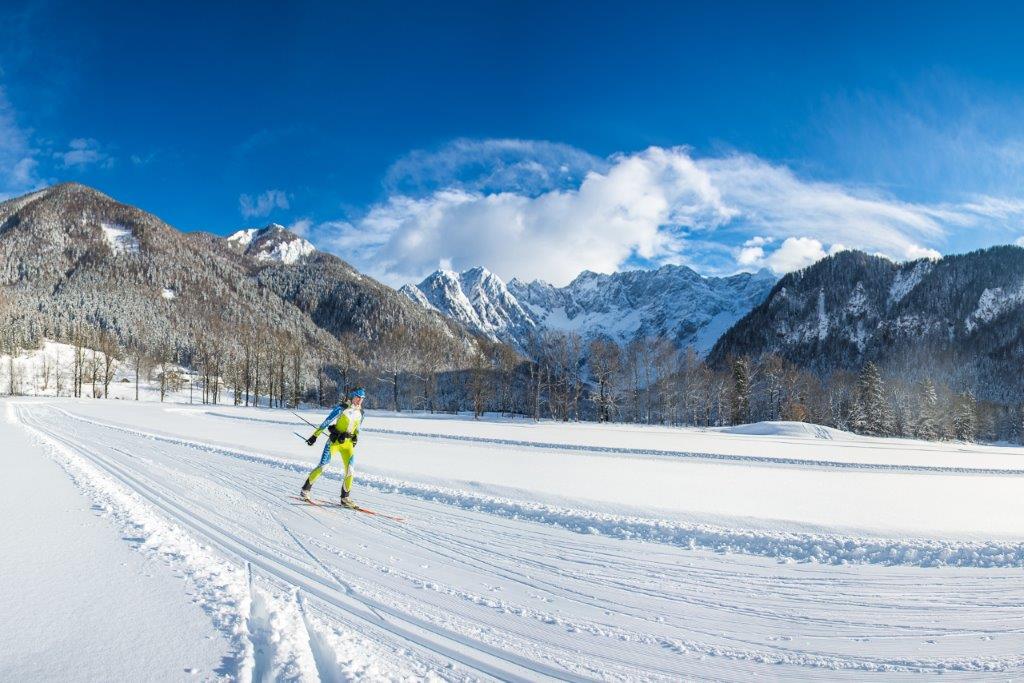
[
  {"x": 476, "y": 298},
  {"x": 272, "y": 243},
  {"x": 672, "y": 302}
]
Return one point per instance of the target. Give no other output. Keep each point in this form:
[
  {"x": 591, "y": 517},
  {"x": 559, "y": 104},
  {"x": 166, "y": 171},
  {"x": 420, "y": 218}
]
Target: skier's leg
[
  {"x": 348, "y": 459},
  {"x": 325, "y": 458}
]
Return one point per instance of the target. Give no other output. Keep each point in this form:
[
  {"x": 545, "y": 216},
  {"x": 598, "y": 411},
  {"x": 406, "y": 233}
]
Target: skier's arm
[{"x": 330, "y": 418}]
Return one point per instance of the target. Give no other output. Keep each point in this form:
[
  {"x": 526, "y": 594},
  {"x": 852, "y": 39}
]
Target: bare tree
[
  {"x": 46, "y": 363},
  {"x": 109, "y": 349},
  {"x": 139, "y": 360},
  {"x": 480, "y": 382},
  {"x": 393, "y": 354},
  {"x": 605, "y": 359}
]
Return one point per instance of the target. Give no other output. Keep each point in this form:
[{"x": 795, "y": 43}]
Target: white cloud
[
  {"x": 610, "y": 217},
  {"x": 774, "y": 201},
  {"x": 82, "y": 152},
  {"x": 527, "y": 167},
  {"x": 18, "y": 163},
  {"x": 661, "y": 205},
  {"x": 263, "y": 204},
  {"x": 301, "y": 227}
]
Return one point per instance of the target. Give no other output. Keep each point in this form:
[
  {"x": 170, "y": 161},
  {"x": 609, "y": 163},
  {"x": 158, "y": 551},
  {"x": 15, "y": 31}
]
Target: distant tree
[
  {"x": 480, "y": 382},
  {"x": 965, "y": 417},
  {"x": 605, "y": 361},
  {"x": 108, "y": 347},
  {"x": 927, "y": 417},
  {"x": 740, "y": 406},
  {"x": 872, "y": 417},
  {"x": 46, "y": 365},
  {"x": 393, "y": 354}
]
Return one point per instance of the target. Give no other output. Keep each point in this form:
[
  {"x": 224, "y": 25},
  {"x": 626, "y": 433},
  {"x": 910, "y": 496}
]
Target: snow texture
[
  {"x": 547, "y": 551},
  {"x": 272, "y": 243},
  {"x": 120, "y": 239}
]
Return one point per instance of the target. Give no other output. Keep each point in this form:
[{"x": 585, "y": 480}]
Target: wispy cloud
[
  {"x": 263, "y": 204},
  {"x": 19, "y": 167},
  {"x": 84, "y": 152},
  {"x": 933, "y": 137},
  {"x": 527, "y": 167}
]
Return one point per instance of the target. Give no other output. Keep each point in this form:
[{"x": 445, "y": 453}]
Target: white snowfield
[{"x": 524, "y": 552}]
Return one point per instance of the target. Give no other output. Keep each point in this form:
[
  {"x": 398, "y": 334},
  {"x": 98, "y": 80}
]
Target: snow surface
[
  {"x": 119, "y": 238},
  {"x": 530, "y": 551},
  {"x": 287, "y": 252},
  {"x": 991, "y": 304},
  {"x": 243, "y": 237},
  {"x": 270, "y": 244}
]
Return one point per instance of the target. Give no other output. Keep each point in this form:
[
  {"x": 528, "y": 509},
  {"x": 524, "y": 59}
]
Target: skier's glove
[
  {"x": 311, "y": 440},
  {"x": 355, "y": 439}
]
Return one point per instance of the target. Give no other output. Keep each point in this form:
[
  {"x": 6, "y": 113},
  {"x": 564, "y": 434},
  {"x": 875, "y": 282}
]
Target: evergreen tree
[
  {"x": 965, "y": 417},
  {"x": 740, "y": 391},
  {"x": 872, "y": 413},
  {"x": 927, "y": 419}
]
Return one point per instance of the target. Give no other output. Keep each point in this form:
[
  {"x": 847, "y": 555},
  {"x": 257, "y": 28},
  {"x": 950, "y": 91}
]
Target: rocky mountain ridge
[{"x": 672, "y": 302}]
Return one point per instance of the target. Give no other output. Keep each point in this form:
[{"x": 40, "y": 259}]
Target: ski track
[
  {"x": 472, "y": 587},
  {"x": 690, "y": 455},
  {"x": 822, "y": 548}
]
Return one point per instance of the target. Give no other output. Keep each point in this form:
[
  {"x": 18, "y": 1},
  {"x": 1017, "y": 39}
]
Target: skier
[{"x": 344, "y": 434}]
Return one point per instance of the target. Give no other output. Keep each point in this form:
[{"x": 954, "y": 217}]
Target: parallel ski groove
[{"x": 488, "y": 660}]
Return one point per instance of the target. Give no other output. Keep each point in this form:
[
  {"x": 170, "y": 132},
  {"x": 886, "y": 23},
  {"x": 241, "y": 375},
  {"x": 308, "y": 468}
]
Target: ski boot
[{"x": 346, "y": 501}]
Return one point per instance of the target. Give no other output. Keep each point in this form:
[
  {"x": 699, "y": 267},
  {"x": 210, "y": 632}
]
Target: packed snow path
[{"x": 460, "y": 593}]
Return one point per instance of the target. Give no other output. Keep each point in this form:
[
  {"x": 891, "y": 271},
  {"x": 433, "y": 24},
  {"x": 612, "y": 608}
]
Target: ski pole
[
  {"x": 302, "y": 418},
  {"x": 299, "y": 435}
]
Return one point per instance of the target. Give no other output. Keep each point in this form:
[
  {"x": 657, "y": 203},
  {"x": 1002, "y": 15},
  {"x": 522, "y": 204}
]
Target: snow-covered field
[{"x": 160, "y": 541}]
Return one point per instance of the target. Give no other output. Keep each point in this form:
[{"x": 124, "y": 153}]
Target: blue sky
[{"x": 536, "y": 139}]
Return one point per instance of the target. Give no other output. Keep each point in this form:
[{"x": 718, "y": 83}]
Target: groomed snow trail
[{"x": 461, "y": 592}]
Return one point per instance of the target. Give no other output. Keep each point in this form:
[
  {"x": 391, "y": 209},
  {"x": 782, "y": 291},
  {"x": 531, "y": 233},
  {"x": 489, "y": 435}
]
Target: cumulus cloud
[
  {"x": 657, "y": 206},
  {"x": 18, "y": 163},
  {"x": 608, "y": 218},
  {"x": 262, "y": 205},
  {"x": 82, "y": 152}
]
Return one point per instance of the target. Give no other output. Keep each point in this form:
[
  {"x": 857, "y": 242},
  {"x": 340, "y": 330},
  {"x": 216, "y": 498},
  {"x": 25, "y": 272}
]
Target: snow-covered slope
[
  {"x": 958, "y": 319},
  {"x": 71, "y": 256},
  {"x": 672, "y": 302},
  {"x": 272, "y": 243}
]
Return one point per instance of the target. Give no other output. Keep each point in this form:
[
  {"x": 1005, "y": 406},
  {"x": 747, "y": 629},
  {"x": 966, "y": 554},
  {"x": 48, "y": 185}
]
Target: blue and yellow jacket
[{"x": 346, "y": 419}]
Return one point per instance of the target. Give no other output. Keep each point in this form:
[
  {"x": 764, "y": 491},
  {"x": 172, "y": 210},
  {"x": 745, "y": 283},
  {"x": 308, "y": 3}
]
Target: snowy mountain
[
  {"x": 71, "y": 256},
  {"x": 959, "y": 317},
  {"x": 272, "y": 243},
  {"x": 672, "y": 302},
  {"x": 476, "y": 299}
]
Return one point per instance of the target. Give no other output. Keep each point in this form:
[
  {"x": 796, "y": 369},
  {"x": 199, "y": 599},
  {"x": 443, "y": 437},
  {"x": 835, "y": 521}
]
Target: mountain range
[
  {"x": 959, "y": 319},
  {"x": 73, "y": 257},
  {"x": 70, "y": 255},
  {"x": 672, "y": 302}
]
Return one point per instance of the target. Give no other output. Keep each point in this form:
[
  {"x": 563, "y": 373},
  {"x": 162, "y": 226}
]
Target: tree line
[{"x": 560, "y": 377}]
